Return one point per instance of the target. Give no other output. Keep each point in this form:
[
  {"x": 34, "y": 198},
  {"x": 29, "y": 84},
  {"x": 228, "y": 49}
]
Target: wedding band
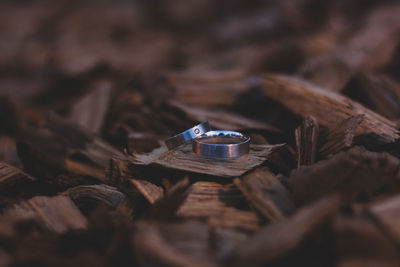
[
  {"x": 221, "y": 145},
  {"x": 187, "y": 135}
]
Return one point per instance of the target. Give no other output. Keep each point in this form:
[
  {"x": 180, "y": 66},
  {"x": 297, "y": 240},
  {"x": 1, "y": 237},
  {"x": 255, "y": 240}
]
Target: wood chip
[
  {"x": 328, "y": 108},
  {"x": 166, "y": 207},
  {"x": 85, "y": 195},
  {"x": 184, "y": 159},
  {"x": 266, "y": 194},
  {"x": 183, "y": 244},
  {"x": 58, "y": 214},
  {"x": 348, "y": 173},
  {"x": 307, "y": 141},
  {"x": 149, "y": 190},
  {"x": 219, "y": 205},
  {"x": 341, "y": 137},
  {"x": 221, "y": 119},
  {"x": 213, "y": 89},
  {"x": 387, "y": 213},
  {"x": 275, "y": 241},
  {"x": 91, "y": 110},
  {"x": 359, "y": 238},
  {"x": 382, "y": 93},
  {"x": 11, "y": 177}
]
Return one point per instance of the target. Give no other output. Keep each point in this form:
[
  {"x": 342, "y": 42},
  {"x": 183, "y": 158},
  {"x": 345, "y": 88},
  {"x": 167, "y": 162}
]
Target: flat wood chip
[
  {"x": 184, "y": 159},
  {"x": 58, "y": 214},
  {"x": 218, "y": 205}
]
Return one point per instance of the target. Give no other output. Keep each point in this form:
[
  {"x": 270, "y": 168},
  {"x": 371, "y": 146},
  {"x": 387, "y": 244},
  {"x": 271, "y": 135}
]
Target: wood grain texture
[
  {"x": 95, "y": 194},
  {"x": 327, "y": 107},
  {"x": 350, "y": 173},
  {"x": 219, "y": 206},
  {"x": 307, "y": 141},
  {"x": 11, "y": 176},
  {"x": 184, "y": 159},
  {"x": 266, "y": 194},
  {"x": 341, "y": 137},
  {"x": 58, "y": 214}
]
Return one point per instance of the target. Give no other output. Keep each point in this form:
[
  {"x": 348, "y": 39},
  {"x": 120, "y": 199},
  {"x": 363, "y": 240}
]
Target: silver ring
[
  {"x": 187, "y": 135},
  {"x": 221, "y": 145}
]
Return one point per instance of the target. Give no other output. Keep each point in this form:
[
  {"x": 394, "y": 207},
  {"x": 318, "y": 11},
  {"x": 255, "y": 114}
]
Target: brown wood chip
[
  {"x": 307, "y": 141},
  {"x": 183, "y": 159},
  {"x": 58, "y": 214},
  {"x": 266, "y": 194},
  {"x": 347, "y": 173},
  {"x": 328, "y": 108},
  {"x": 279, "y": 239},
  {"x": 219, "y": 205},
  {"x": 341, "y": 137},
  {"x": 11, "y": 176}
]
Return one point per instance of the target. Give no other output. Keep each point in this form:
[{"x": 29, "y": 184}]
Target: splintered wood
[
  {"x": 90, "y": 91},
  {"x": 328, "y": 108}
]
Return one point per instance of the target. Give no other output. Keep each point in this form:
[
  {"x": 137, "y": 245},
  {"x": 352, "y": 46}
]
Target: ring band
[
  {"x": 221, "y": 145},
  {"x": 188, "y": 135}
]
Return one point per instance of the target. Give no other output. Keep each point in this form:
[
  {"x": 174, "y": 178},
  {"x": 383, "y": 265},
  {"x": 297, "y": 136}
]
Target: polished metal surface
[
  {"x": 221, "y": 145},
  {"x": 188, "y": 135}
]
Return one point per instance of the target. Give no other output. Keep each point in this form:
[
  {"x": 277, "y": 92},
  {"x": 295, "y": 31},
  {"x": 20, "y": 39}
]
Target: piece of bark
[
  {"x": 11, "y": 177},
  {"x": 221, "y": 119},
  {"x": 273, "y": 242},
  {"x": 183, "y": 244},
  {"x": 328, "y": 108},
  {"x": 350, "y": 173},
  {"x": 307, "y": 141},
  {"x": 219, "y": 205},
  {"x": 90, "y": 111},
  {"x": 341, "y": 137},
  {"x": 184, "y": 159},
  {"x": 86, "y": 196},
  {"x": 266, "y": 194},
  {"x": 58, "y": 214},
  {"x": 386, "y": 213},
  {"x": 357, "y": 238},
  {"x": 166, "y": 207}
]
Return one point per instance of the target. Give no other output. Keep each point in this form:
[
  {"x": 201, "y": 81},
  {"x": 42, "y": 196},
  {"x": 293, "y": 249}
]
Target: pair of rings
[{"x": 212, "y": 144}]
